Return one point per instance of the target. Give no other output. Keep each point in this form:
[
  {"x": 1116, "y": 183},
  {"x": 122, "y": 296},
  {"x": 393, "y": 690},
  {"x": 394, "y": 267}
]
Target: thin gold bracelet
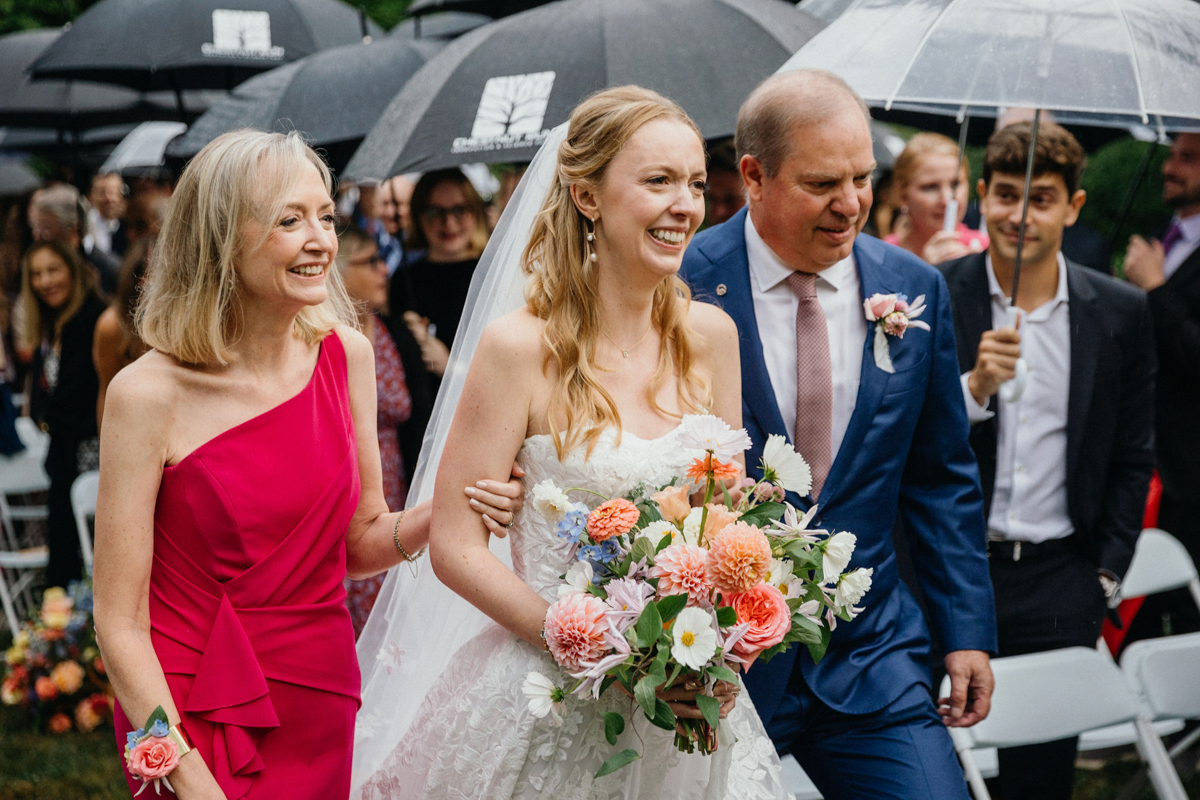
[{"x": 399, "y": 547}]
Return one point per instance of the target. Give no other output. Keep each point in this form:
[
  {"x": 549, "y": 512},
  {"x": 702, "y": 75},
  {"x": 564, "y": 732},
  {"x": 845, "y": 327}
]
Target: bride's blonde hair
[{"x": 562, "y": 286}]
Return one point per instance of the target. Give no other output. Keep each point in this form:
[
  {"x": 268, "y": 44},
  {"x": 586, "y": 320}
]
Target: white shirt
[
  {"x": 775, "y": 307},
  {"x": 100, "y": 232},
  {"x": 1187, "y": 244},
  {"x": 1029, "y": 502}
]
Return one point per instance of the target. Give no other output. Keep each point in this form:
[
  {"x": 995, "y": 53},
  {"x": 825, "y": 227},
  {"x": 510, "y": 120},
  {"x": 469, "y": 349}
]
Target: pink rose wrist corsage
[{"x": 153, "y": 752}]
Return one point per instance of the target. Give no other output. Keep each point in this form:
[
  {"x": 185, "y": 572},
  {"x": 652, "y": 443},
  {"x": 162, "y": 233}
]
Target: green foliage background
[{"x": 20, "y": 15}]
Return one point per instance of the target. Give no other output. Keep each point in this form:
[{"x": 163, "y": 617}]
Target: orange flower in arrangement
[
  {"x": 765, "y": 608},
  {"x": 738, "y": 558},
  {"x": 612, "y": 518},
  {"x": 45, "y": 689},
  {"x": 673, "y": 503},
  {"x": 719, "y": 518},
  {"x": 722, "y": 471},
  {"x": 59, "y": 723},
  {"x": 86, "y": 716}
]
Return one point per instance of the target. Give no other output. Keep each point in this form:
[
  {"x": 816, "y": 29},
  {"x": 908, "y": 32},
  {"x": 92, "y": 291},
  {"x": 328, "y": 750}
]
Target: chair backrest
[
  {"x": 1160, "y": 563},
  {"x": 31, "y": 435},
  {"x": 83, "y": 501},
  {"x": 23, "y": 473},
  {"x": 1042, "y": 697},
  {"x": 1166, "y": 672}
]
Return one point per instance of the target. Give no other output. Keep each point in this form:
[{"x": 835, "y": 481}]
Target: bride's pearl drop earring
[{"x": 591, "y": 237}]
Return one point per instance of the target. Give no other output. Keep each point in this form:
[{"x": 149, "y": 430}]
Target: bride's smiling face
[{"x": 650, "y": 201}]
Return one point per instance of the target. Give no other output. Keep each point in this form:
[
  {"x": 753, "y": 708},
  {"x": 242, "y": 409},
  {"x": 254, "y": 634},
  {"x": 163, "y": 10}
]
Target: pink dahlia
[
  {"x": 612, "y": 518},
  {"x": 680, "y": 569},
  {"x": 738, "y": 558},
  {"x": 575, "y": 627}
]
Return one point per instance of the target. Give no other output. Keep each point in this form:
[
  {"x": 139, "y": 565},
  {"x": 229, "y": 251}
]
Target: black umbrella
[
  {"x": 69, "y": 104},
  {"x": 444, "y": 25},
  {"x": 17, "y": 178},
  {"x": 493, "y": 94},
  {"x": 333, "y": 97},
  {"x": 196, "y": 44},
  {"x": 492, "y": 8}
]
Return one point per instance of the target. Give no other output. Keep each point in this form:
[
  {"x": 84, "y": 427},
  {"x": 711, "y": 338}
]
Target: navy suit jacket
[{"x": 906, "y": 452}]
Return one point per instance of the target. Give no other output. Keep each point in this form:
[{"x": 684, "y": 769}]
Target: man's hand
[
  {"x": 1144, "y": 263},
  {"x": 971, "y": 686},
  {"x": 944, "y": 246},
  {"x": 996, "y": 363}
]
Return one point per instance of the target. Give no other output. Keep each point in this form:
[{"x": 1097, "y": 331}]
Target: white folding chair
[
  {"x": 1043, "y": 697},
  {"x": 1160, "y": 563},
  {"x": 1165, "y": 673},
  {"x": 797, "y": 780},
  {"x": 21, "y": 473},
  {"x": 83, "y": 501}
]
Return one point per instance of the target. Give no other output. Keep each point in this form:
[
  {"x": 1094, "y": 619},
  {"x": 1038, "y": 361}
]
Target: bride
[{"x": 585, "y": 384}]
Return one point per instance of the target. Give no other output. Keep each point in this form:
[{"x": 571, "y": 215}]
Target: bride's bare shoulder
[
  {"x": 514, "y": 339},
  {"x": 715, "y": 326}
]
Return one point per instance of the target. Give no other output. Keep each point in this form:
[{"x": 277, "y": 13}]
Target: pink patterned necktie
[{"x": 814, "y": 381}]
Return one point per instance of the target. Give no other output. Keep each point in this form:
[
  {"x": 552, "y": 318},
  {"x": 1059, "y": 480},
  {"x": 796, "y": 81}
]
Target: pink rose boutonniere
[{"x": 892, "y": 315}]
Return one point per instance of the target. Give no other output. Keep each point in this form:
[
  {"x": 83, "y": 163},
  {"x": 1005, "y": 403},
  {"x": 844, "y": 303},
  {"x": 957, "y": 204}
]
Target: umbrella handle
[{"x": 1011, "y": 391}]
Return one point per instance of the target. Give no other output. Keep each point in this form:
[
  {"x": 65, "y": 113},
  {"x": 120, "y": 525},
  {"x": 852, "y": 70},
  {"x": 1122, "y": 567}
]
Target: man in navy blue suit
[{"x": 885, "y": 431}]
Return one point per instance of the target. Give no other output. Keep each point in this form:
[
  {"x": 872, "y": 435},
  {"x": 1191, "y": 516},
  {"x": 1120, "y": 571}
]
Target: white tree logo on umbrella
[
  {"x": 241, "y": 34},
  {"x": 513, "y": 104}
]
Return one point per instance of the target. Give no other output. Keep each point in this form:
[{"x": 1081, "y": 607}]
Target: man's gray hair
[
  {"x": 62, "y": 201},
  {"x": 784, "y": 102}
]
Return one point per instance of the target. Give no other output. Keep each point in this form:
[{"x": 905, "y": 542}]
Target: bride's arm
[{"x": 488, "y": 430}]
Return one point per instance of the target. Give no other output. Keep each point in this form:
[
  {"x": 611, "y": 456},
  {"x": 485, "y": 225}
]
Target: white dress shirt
[
  {"x": 1189, "y": 227},
  {"x": 1029, "y": 502},
  {"x": 775, "y": 306},
  {"x": 100, "y": 232}
]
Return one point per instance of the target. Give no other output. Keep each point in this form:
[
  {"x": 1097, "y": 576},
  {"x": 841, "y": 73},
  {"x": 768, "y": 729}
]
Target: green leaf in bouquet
[
  {"x": 804, "y": 630},
  {"x": 794, "y": 602},
  {"x": 670, "y": 606},
  {"x": 763, "y": 514},
  {"x": 817, "y": 651},
  {"x": 675, "y": 670},
  {"x": 649, "y": 513},
  {"x": 710, "y": 707},
  {"x": 771, "y": 652},
  {"x": 642, "y": 550},
  {"x": 664, "y": 717},
  {"x": 614, "y": 725},
  {"x": 727, "y": 499},
  {"x": 608, "y": 681},
  {"x": 597, "y": 590},
  {"x": 643, "y": 692},
  {"x": 722, "y": 674},
  {"x": 726, "y": 616},
  {"x": 663, "y": 544},
  {"x": 626, "y": 756},
  {"x": 802, "y": 554},
  {"x": 649, "y": 625},
  {"x": 155, "y": 716}
]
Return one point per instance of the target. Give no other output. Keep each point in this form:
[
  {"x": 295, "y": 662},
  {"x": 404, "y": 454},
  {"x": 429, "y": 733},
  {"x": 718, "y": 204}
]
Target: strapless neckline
[
  {"x": 257, "y": 418},
  {"x": 612, "y": 430}
]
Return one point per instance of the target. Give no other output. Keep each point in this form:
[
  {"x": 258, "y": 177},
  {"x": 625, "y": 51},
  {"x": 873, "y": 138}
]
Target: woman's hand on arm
[{"x": 133, "y": 448}]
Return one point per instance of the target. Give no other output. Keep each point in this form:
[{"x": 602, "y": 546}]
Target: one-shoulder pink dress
[{"x": 247, "y": 609}]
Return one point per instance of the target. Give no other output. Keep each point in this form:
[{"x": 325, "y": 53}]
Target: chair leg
[
  {"x": 1184, "y": 743},
  {"x": 1163, "y": 776},
  {"x": 10, "y": 613},
  {"x": 962, "y": 746}
]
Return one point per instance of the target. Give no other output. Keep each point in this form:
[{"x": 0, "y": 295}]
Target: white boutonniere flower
[{"x": 892, "y": 315}]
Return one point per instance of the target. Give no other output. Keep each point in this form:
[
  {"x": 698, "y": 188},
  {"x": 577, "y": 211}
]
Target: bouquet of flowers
[
  {"x": 53, "y": 668},
  {"x": 662, "y": 592}
]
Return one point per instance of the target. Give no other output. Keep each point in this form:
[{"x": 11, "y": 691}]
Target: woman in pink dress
[{"x": 240, "y": 484}]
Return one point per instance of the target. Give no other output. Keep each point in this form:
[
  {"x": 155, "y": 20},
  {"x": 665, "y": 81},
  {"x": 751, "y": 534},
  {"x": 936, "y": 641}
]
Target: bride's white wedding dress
[{"x": 474, "y": 736}]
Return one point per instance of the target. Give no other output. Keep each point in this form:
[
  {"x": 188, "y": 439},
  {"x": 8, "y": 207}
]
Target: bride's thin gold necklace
[{"x": 624, "y": 352}]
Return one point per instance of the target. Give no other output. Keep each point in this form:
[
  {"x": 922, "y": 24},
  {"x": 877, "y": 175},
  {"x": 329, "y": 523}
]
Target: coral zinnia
[
  {"x": 612, "y": 518},
  {"x": 739, "y": 558},
  {"x": 700, "y": 468},
  {"x": 575, "y": 627},
  {"x": 679, "y": 569}
]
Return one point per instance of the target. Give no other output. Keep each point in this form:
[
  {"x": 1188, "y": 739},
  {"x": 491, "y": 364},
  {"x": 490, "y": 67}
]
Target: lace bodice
[{"x": 540, "y": 556}]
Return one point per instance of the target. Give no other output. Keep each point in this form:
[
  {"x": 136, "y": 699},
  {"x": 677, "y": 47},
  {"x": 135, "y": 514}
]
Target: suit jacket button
[{"x": 721, "y": 290}]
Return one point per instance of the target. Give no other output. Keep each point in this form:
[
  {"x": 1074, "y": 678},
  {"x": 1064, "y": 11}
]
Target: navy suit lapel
[
  {"x": 1085, "y": 339},
  {"x": 738, "y": 302},
  {"x": 872, "y": 380}
]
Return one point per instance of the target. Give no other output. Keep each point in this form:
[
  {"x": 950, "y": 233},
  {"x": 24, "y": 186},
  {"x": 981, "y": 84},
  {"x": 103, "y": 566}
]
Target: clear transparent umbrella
[{"x": 1094, "y": 62}]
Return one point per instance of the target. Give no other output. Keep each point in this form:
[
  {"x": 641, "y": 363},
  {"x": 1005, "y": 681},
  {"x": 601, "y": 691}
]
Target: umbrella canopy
[
  {"x": 444, "y": 25},
  {"x": 331, "y": 97},
  {"x": 1116, "y": 63},
  {"x": 17, "y": 178},
  {"x": 141, "y": 152},
  {"x": 68, "y": 104},
  {"x": 493, "y": 94},
  {"x": 196, "y": 44},
  {"x": 493, "y": 8}
]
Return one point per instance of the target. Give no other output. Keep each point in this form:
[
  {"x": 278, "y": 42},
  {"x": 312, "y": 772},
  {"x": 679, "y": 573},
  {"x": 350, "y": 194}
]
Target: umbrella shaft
[{"x": 1033, "y": 134}]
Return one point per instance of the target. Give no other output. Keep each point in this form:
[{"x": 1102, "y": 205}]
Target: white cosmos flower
[
  {"x": 550, "y": 501},
  {"x": 695, "y": 639},
  {"x": 656, "y": 530},
  {"x": 543, "y": 696},
  {"x": 779, "y": 572},
  {"x": 691, "y": 526},
  {"x": 706, "y": 432},
  {"x": 852, "y": 587},
  {"x": 792, "y": 587},
  {"x": 782, "y": 465},
  {"x": 838, "y": 549},
  {"x": 578, "y": 579}
]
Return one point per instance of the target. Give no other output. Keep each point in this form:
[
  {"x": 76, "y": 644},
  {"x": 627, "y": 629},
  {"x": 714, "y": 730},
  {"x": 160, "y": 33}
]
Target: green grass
[{"x": 73, "y": 766}]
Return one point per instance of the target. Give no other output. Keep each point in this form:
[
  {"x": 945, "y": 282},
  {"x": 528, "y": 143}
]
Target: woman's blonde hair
[
  {"x": 918, "y": 147},
  {"x": 39, "y": 320},
  {"x": 562, "y": 286},
  {"x": 189, "y": 307}
]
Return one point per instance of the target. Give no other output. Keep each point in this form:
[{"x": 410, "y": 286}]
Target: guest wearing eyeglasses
[{"x": 450, "y": 226}]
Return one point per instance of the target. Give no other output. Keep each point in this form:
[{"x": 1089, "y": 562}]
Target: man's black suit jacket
[
  {"x": 1110, "y": 407},
  {"x": 1175, "y": 309}
]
